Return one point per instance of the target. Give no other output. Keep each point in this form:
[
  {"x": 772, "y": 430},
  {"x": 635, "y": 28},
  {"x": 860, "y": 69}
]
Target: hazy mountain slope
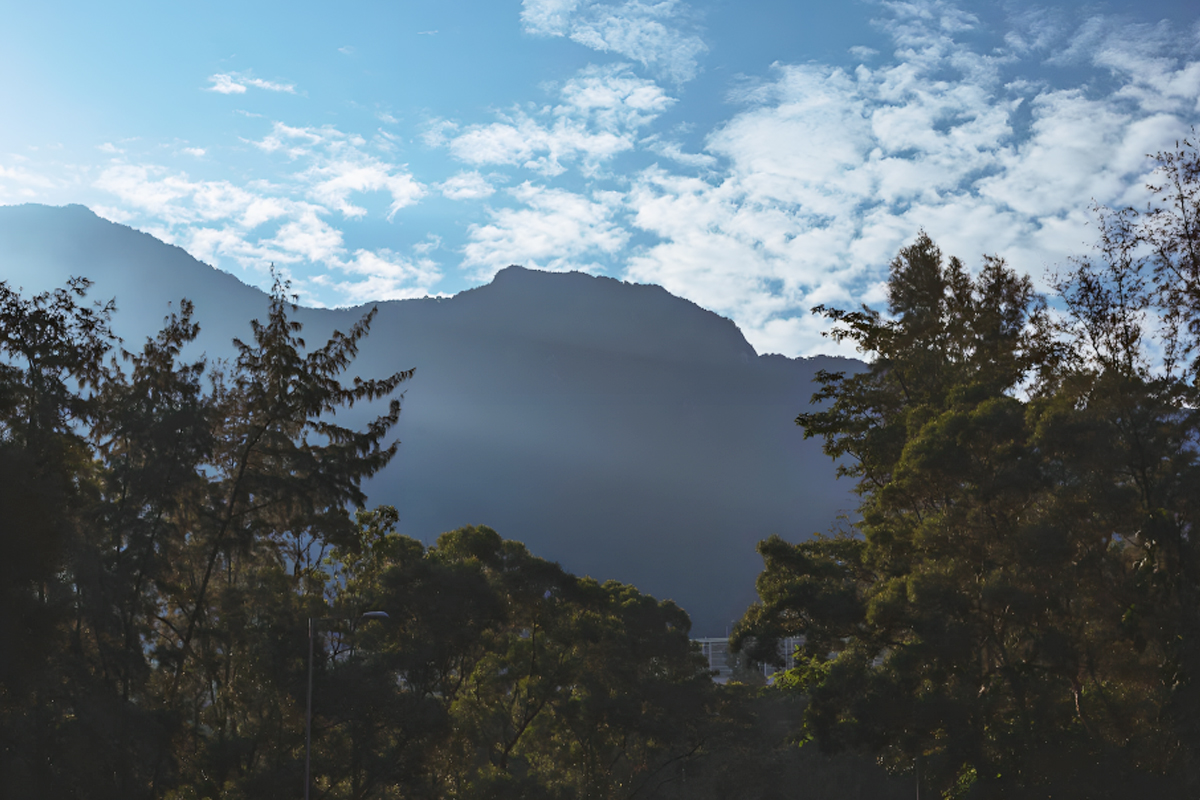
[{"x": 616, "y": 428}]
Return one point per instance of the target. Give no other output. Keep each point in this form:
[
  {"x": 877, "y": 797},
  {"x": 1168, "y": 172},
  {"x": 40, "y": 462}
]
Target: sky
[{"x": 756, "y": 157}]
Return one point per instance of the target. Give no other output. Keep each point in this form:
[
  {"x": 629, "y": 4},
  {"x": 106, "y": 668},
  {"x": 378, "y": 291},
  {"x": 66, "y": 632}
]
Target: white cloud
[
  {"x": 194, "y": 151},
  {"x": 22, "y": 184},
  {"x": 548, "y": 17},
  {"x": 831, "y": 171},
  {"x": 555, "y": 230},
  {"x": 340, "y": 166},
  {"x": 333, "y": 183},
  {"x": 1143, "y": 58},
  {"x": 234, "y": 83},
  {"x": 300, "y": 142},
  {"x": 271, "y": 86},
  {"x": 652, "y": 33},
  {"x": 466, "y": 186},
  {"x": 432, "y": 242},
  {"x": 600, "y": 112},
  {"x": 384, "y": 275},
  {"x": 673, "y": 151},
  {"x": 285, "y": 222},
  {"x": 225, "y": 84}
]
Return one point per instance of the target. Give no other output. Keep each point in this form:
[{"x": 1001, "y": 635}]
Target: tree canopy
[
  {"x": 168, "y": 528},
  {"x": 1015, "y": 608}
]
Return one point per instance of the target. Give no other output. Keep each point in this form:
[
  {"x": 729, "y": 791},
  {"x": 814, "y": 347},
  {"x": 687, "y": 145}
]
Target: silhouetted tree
[{"x": 1017, "y": 607}]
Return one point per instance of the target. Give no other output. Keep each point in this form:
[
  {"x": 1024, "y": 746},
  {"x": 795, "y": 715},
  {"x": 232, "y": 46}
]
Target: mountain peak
[{"x": 614, "y": 427}]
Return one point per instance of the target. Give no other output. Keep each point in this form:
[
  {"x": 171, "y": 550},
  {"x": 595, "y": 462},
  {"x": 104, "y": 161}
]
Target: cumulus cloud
[
  {"x": 341, "y": 166},
  {"x": 284, "y": 222},
  {"x": 659, "y": 35},
  {"x": 554, "y": 229},
  {"x": 385, "y": 275},
  {"x": 466, "y": 186},
  {"x": 829, "y": 171},
  {"x": 994, "y": 139},
  {"x": 597, "y": 118}
]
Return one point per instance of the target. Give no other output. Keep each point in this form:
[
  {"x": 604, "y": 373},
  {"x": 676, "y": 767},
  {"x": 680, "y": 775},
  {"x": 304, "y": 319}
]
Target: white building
[{"x": 721, "y": 661}]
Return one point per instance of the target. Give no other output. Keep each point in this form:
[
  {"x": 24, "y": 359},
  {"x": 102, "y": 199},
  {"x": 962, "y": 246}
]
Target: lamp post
[{"x": 308, "y": 707}]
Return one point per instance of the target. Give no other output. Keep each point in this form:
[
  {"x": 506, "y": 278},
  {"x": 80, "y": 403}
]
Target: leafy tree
[
  {"x": 172, "y": 525},
  {"x": 163, "y": 537},
  {"x": 51, "y": 361},
  {"x": 1015, "y": 609},
  {"x": 519, "y": 679}
]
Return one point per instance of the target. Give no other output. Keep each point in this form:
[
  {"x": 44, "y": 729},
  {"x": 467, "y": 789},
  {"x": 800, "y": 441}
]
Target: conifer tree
[{"x": 1016, "y": 607}]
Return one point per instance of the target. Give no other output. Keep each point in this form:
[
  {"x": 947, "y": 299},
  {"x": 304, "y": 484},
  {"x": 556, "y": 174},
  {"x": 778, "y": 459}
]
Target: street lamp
[{"x": 308, "y": 710}]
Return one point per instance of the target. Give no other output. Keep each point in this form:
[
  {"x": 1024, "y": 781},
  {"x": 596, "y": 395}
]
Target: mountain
[{"x": 613, "y": 427}]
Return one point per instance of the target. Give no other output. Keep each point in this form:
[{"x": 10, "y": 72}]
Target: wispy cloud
[
  {"x": 283, "y": 222},
  {"x": 600, "y": 112},
  {"x": 672, "y": 150},
  {"x": 555, "y": 230},
  {"x": 660, "y": 35},
  {"x": 234, "y": 83},
  {"x": 467, "y": 186},
  {"x": 340, "y": 166},
  {"x": 385, "y": 275},
  {"x": 22, "y": 184}
]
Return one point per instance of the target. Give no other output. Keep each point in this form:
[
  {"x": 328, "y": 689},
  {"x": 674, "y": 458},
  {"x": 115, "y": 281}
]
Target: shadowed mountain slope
[{"x": 613, "y": 427}]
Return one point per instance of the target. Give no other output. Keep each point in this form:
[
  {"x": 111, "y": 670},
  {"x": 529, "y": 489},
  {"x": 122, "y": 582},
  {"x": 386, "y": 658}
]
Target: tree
[
  {"x": 519, "y": 679},
  {"x": 172, "y": 524},
  {"x": 166, "y": 540},
  {"x": 990, "y": 616},
  {"x": 51, "y": 362}
]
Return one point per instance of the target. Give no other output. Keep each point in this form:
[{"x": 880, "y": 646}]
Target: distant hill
[{"x": 613, "y": 427}]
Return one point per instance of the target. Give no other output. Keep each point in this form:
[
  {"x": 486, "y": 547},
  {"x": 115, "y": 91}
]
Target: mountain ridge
[{"x": 611, "y": 426}]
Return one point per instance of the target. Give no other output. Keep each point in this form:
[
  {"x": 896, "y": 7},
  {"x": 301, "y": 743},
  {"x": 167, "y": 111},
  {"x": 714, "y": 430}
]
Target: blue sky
[{"x": 755, "y": 157}]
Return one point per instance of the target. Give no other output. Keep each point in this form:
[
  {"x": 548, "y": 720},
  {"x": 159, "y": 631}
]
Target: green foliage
[
  {"x": 169, "y": 528},
  {"x": 159, "y": 538},
  {"x": 1017, "y": 609},
  {"x": 534, "y": 683}
]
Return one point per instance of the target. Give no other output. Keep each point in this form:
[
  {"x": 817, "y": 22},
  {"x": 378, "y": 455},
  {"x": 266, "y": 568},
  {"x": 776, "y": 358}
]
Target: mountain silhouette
[{"x": 613, "y": 427}]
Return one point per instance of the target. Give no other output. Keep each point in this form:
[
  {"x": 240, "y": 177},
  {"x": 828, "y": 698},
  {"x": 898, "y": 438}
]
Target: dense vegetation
[
  {"x": 1016, "y": 611},
  {"x": 168, "y": 528}
]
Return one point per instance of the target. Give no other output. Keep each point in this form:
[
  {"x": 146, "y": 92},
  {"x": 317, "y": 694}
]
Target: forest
[
  {"x": 172, "y": 528},
  {"x": 1014, "y": 611}
]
